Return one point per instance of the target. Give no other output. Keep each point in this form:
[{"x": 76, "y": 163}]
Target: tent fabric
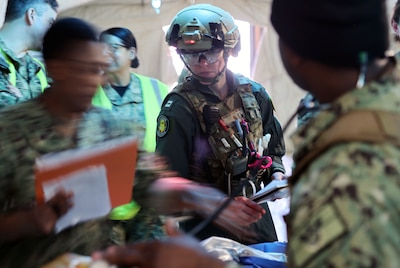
[{"x": 154, "y": 54}]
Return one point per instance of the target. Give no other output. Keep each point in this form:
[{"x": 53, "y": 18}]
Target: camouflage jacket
[
  {"x": 344, "y": 210},
  {"x": 131, "y": 105},
  {"x": 27, "y": 83},
  {"x": 26, "y": 132}
]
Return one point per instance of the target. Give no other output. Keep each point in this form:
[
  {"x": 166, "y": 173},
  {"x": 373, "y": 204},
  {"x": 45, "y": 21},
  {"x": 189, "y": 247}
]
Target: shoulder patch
[{"x": 162, "y": 126}]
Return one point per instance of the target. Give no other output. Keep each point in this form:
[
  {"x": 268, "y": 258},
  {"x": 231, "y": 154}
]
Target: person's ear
[
  {"x": 132, "y": 53},
  {"x": 395, "y": 26},
  {"x": 30, "y": 16}
]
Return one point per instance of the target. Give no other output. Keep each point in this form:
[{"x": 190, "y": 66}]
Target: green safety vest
[
  {"x": 152, "y": 99},
  {"x": 12, "y": 77}
]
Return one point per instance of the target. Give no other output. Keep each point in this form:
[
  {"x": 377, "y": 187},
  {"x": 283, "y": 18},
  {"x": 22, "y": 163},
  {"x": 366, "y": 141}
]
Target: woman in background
[{"x": 131, "y": 96}]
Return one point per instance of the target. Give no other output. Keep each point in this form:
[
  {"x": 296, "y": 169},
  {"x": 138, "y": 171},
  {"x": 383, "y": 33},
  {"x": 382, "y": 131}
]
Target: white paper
[
  {"x": 228, "y": 250},
  {"x": 91, "y": 198}
]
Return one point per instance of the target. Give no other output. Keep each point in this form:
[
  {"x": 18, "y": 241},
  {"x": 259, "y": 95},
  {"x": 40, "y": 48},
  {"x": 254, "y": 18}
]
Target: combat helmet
[{"x": 203, "y": 27}]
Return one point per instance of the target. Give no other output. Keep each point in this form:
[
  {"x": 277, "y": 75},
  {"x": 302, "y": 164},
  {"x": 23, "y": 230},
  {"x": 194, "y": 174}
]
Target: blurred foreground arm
[
  {"x": 181, "y": 251},
  {"x": 37, "y": 221}
]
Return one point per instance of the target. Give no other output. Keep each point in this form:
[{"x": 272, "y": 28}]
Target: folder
[{"x": 117, "y": 156}]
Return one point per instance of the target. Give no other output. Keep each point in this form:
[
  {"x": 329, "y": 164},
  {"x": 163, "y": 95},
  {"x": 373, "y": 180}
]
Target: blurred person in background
[
  {"x": 23, "y": 77},
  {"x": 130, "y": 96},
  {"x": 136, "y": 99}
]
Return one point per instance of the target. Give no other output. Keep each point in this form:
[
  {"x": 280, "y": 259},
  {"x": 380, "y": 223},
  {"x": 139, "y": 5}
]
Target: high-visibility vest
[
  {"x": 12, "y": 76},
  {"x": 152, "y": 99}
]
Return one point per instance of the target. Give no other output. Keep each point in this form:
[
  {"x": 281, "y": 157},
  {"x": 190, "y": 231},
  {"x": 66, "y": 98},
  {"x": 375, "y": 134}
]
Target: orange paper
[{"x": 118, "y": 156}]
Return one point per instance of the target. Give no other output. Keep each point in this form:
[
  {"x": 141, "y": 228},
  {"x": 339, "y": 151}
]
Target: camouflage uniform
[
  {"x": 27, "y": 84},
  {"x": 26, "y": 132},
  {"x": 344, "y": 205},
  {"x": 130, "y": 106}
]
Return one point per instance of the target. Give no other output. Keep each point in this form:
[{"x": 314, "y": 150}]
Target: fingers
[
  {"x": 251, "y": 204},
  {"x": 123, "y": 256},
  {"x": 243, "y": 211},
  {"x": 172, "y": 228}
]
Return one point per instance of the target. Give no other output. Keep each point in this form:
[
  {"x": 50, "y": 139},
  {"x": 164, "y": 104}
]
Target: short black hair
[
  {"x": 127, "y": 38},
  {"x": 64, "y": 32},
  {"x": 17, "y": 8}
]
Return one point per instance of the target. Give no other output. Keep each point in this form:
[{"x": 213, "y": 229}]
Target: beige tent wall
[{"x": 153, "y": 52}]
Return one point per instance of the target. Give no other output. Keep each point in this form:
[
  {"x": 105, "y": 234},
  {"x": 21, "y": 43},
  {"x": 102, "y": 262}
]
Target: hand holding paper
[
  {"x": 91, "y": 199},
  {"x": 100, "y": 177}
]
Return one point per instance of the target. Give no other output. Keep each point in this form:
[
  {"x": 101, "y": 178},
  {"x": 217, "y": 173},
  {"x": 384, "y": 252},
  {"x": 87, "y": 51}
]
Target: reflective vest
[
  {"x": 152, "y": 100},
  {"x": 12, "y": 77}
]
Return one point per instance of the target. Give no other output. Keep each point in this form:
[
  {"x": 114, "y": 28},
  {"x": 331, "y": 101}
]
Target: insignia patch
[
  {"x": 162, "y": 126},
  {"x": 168, "y": 104}
]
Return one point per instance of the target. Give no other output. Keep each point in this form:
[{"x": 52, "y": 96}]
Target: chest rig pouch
[{"x": 231, "y": 126}]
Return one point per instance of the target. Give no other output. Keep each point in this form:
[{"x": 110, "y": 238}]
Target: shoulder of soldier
[
  {"x": 256, "y": 87},
  {"x": 164, "y": 88},
  {"x": 175, "y": 98},
  {"x": 24, "y": 115},
  {"x": 3, "y": 64}
]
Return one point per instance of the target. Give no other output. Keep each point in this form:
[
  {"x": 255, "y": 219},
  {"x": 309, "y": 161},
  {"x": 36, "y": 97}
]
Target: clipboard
[
  {"x": 273, "y": 190},
  {"x": 118, "y": 156}
]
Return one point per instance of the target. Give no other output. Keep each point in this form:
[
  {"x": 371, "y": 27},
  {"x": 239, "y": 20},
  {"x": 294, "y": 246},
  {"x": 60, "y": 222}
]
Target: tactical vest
[
  {"x": 12, "y": 76},
  {"x": 228, "y": 160}
]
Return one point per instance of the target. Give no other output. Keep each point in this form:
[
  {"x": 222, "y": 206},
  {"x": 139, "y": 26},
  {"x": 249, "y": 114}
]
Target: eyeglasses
[
  {"x": 87, "y": 68},
  {"x": 193, "y": 58},
  {"x": 114, "y": 47}
]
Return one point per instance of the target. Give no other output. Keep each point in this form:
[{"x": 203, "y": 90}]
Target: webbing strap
[{"x": 361, "y": 125}]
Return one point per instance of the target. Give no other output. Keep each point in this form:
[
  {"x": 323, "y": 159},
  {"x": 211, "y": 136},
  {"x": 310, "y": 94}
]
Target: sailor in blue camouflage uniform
[
  {"x": 345, "y": 187},
  {"x": 62, "y": 118},
  {"x": 23, "y": 77}
]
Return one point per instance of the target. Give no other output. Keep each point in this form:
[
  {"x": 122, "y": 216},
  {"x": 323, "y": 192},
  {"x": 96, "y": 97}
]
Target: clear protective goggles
[{"x": 193, "y": 58}]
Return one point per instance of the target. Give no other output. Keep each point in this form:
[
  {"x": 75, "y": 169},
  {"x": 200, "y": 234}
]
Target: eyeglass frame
[
  {"x": 114, "y": 47},
  {"x": 192, "y": 58}
]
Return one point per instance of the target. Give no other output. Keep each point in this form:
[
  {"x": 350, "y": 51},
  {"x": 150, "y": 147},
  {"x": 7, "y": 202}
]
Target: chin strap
[{"x": 213, "y": 80}]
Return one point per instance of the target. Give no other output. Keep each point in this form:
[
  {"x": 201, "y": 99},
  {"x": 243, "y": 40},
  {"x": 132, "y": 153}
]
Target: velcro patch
[
  {"x": 168, "y": 104},
  {"x": 162, "y": 126}
]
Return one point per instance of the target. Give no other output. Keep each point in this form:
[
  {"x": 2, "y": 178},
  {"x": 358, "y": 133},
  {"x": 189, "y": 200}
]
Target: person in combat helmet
[{"x": 217, "y": 127}]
